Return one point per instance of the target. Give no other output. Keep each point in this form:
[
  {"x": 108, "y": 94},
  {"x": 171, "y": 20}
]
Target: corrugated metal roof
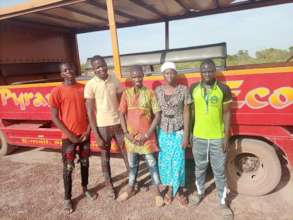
[{"x": 91, "y": 15}]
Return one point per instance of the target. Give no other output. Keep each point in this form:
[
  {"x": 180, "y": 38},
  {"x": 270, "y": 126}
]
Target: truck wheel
[
  {"x": 5, "y": 148},
  {"x": 253, "y": 167}
]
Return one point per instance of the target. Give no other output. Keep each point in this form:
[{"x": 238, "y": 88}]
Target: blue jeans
[
  {"x": 133, "y": 165},
  {"x": 205, "y": 150}
]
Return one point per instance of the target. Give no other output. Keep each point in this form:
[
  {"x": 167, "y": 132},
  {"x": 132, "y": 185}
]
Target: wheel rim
[
  {"x": 247, "y": 163},
  {"x": 246, "y": 170}
]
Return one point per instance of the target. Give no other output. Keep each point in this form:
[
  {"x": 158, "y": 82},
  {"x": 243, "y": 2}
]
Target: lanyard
[{"x": 206, "y": 93}]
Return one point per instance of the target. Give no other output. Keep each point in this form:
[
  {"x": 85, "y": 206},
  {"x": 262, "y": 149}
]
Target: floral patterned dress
[{"x": 170, "y": 136}]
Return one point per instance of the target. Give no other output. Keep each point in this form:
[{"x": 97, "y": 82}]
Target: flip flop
[
  {"x": 125, "y": 195},
  {"x": 90, "y": 196},
  {"x": 182, "y": 201},
  {"x": 159, "y": 201},
  {"x": 110, "y": 193},
  {"x": 168, "y": 199},
  {"x": 227, "y": 212},
  {"x": 68, "y": 206}
]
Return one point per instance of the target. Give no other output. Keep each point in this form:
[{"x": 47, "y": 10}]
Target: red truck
[{"x": 35, "y": 39}]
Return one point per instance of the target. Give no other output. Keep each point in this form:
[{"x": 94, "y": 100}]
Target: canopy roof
[{"x": 80, "y": 16}]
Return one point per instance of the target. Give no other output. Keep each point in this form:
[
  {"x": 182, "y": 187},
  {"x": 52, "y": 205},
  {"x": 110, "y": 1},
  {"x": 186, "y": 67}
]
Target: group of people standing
[{"x": 142, "y": 123}]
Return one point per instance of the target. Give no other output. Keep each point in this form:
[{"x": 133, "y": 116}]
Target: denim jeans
[
  {"x": 68, "y": 155},
  {"x": 205, "y": 150},
  {"x": 133, "y": 165}
]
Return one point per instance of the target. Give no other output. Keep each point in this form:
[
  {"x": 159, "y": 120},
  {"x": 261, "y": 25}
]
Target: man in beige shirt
[{"x": 101, "y": 94}]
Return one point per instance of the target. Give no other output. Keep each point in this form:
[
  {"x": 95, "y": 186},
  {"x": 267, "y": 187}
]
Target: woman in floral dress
[{"x": 173, "y": 133}]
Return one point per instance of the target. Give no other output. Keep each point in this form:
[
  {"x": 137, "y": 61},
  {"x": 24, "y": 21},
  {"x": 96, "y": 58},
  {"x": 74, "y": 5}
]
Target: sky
[{"x": 252, "y": 30}]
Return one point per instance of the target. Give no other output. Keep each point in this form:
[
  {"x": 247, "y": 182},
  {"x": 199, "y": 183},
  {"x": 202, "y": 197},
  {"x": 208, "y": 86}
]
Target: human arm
[
  {"x": 129, "y": 136},
  {"x": 227, "y": 122},
  {"x": 186, "y": 115},
  {"x": 90, "y": 107},
  {"x": 123, "y": 107},
  {"x": 227, "y": 104},
  {"x": 85, "y": 136},
  {"x": 73, "y": 138}
]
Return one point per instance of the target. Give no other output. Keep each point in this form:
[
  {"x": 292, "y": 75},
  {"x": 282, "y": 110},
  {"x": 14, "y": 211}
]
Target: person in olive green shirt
[{"x": 212, "y": 112}]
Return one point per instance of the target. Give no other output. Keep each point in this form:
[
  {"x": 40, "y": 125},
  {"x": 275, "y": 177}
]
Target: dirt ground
[{"x": 32, "y": 188}]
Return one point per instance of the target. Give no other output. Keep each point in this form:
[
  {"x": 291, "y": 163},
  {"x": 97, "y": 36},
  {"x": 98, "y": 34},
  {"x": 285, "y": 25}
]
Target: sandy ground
[{"x": 32, "y": 188}]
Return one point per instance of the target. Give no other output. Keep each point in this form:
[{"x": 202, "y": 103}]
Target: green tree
[
  {"x": 241, "y": 58},
  {"x": 272, "y": 55}
]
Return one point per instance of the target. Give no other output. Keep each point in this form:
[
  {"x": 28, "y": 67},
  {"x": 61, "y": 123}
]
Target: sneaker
[
  {"x": 196, "y": 199},
  {"x": 68, "y": 205},
  {"x": 90, "y": 196},
  {"x": 227, "y": 212}
]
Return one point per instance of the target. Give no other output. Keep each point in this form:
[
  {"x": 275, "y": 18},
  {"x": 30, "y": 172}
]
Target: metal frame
[
  {"x": 117, "y": 12},
  {"x": 191, "y": 14},
  {"x": 85, "y": 13},
  {"x": 42, "y": 8},
  {"x": 164, "y": 52},
  {"x": 149, "y": 8},
  {"x": 111, "y": 12}
]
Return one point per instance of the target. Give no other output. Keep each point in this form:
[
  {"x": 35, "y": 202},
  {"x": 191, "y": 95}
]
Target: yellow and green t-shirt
[{"x": 208, "y": 107}]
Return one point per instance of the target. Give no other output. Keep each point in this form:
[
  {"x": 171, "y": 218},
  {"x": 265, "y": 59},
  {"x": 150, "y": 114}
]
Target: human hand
[
  {"x": 141, "y": 138},
  {"x": 226, "y": 144},
  {"x": 73, "y": 138},
  {"x": 130, "y": 137},
  {"x": 100, "y": 143},
  {"x": 85, "y": 136},
  {"x": 185, "y": 143}
]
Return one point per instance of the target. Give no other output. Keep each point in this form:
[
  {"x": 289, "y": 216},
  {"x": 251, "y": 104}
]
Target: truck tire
[
  {"x": 5, "y": 148},
  {"x": 253, "y": 167}
]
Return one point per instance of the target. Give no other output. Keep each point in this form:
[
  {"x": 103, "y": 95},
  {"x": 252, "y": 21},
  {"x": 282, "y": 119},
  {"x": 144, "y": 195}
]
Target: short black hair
[
  {"x": 208, "y": 62},
  {"x": 97, "y": 57},
  {"x": 66, "y": 63},
  {"x": 135, "y": 68}
]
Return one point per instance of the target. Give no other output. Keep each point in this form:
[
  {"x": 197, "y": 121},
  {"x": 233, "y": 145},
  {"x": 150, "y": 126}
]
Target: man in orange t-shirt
[{"x": 69, "y": 115}]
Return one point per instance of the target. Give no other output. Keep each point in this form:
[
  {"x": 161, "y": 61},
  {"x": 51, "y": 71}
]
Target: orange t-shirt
[{"x": 69, "y": 101}]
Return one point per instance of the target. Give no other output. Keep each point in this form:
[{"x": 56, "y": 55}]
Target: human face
[
  {"x": 68, "y": 73},
  {"x": 137, "y": 78},
  {"x": 208, "y": 73},
  {"x": 100, "y": 68},
  {"x": 170, "y": 76}
]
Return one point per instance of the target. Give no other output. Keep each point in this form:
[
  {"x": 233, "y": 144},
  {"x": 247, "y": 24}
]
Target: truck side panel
[
  {"x": 262, "y": 100},
  {"x": 30, "y": 52}
]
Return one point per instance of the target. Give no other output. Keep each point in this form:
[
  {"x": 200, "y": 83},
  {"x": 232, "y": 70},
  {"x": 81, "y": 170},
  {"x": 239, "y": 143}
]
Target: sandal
[
  {"x": 90, "y": 196},
  {"x": 227, "y": 212},
  {"x": 196, "y": 199},
  {"x": 68, "y": 206},
  {"x": 110, "y": 193},
  {"x": 159, "y": 201},
  {"x": 168, "y": 199},
  {"x": 182, "y": 201},
  {"x": 125, "y": 195}
]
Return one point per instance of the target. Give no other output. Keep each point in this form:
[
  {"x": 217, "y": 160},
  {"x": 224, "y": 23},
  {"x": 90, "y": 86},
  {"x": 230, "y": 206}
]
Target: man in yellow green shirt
[{"x": 212, "y": 110}]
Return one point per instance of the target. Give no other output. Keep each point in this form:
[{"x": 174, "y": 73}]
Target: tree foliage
[
  {"x": 270, "y": 55},
  {"x": 242, "y": 57}
]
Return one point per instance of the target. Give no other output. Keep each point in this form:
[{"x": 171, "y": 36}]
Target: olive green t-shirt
[{"x": 208, "y": 107}]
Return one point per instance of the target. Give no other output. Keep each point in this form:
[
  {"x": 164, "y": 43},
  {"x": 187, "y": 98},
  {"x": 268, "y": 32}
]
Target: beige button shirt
[{"x": 105, "y": 94}]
